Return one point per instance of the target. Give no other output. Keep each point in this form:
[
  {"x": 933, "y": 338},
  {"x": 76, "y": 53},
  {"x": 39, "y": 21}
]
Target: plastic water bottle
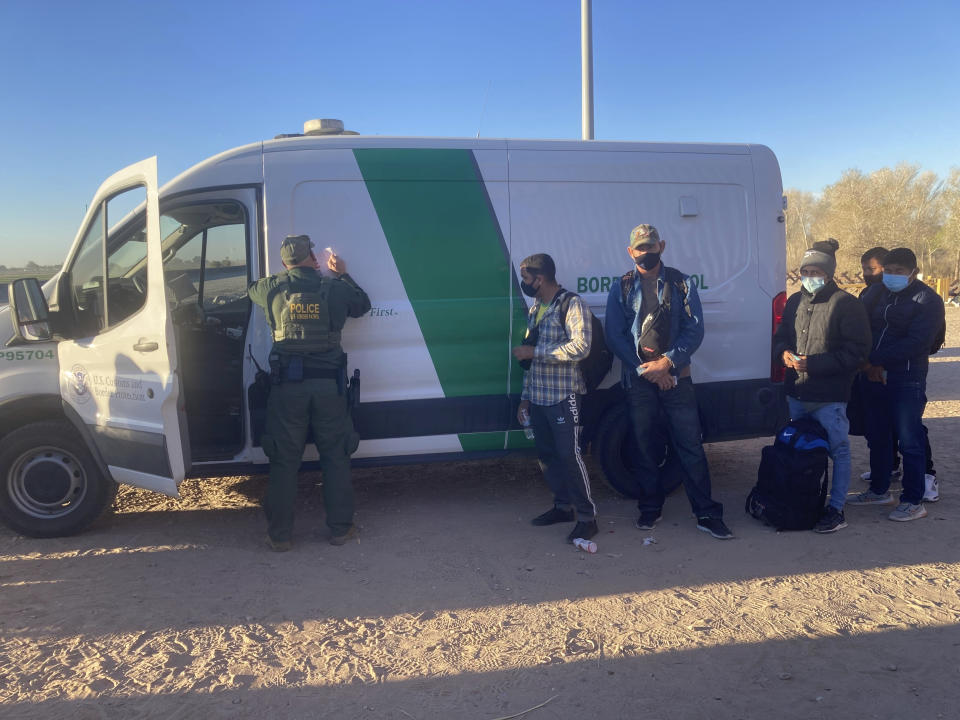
[
  {"x": 585, "y": 545},
  {"x": 525, "y": 421}
]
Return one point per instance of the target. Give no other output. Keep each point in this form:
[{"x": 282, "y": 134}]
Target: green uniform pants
[{"x": 291, "y": 410}]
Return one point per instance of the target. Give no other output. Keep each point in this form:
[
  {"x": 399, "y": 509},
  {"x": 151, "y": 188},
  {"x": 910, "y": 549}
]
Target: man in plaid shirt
[{"x": 553, "y": 388}]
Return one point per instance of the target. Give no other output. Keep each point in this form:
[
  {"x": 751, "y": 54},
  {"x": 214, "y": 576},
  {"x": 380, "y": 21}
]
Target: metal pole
[{"x": 586, "y": 75}]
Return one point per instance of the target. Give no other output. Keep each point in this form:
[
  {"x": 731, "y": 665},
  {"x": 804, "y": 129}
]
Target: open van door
[{"x": 118, "y": 365}]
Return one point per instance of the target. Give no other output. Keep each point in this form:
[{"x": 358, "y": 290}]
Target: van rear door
[{"x": 118, "y": 369}]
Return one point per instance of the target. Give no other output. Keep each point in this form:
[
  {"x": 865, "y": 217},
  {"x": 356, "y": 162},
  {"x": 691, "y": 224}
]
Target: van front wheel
[
  {"x": 616, "y": 449},
  {"x": 50, "y": 485}
]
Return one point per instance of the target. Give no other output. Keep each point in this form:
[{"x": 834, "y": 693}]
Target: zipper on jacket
[{"x": 885, "y": 310}]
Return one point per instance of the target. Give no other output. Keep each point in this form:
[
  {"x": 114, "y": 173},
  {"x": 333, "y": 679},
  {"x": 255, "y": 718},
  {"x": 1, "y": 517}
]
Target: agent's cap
[
  {"x": 643, "y": 235},
  {"x": 295, "y": 249},
  {"x": 822, "y": 255},
  {"x": 902, "y": 256}
]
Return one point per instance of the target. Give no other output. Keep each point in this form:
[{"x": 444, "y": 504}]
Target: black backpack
[
  {"x": 791, "y": 484},
  {"x": 598, "y": 361}
]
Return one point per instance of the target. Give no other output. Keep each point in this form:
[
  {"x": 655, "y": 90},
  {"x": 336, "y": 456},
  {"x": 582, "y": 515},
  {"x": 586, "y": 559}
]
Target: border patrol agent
[{"x": 306, "y": 313}]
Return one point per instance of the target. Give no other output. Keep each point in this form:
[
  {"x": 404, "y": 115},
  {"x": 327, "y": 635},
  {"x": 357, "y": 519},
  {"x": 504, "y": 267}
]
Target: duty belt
[{"x": 315, "y": 373}]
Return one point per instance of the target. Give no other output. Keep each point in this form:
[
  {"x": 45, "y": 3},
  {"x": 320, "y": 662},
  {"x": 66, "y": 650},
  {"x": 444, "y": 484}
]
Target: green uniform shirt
[{"x": 346, "y": 299}]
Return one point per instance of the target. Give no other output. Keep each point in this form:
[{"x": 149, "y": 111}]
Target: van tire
[
  {"x": 615, "y": 447},
  {"x": 50, "y": 485}
]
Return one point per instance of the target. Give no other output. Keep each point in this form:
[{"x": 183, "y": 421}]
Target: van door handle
[{"x": 144, "y": 346}]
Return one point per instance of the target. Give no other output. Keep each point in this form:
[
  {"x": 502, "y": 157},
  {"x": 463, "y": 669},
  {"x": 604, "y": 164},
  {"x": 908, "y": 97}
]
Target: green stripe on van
[{"x": 445, "y": 240}]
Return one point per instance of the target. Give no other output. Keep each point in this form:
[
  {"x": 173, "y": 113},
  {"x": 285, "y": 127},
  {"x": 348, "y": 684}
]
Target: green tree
[{"x": 892, "y": 207}]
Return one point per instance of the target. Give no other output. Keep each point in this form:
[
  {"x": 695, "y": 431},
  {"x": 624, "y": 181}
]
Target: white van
[{"x": 148, "y": 376}]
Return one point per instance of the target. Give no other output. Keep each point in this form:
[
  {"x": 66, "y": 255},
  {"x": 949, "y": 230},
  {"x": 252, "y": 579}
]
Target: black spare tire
[{"x": 616, "y": 449}]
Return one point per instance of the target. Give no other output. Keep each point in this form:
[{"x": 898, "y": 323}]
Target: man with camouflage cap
[
  {"x": 306, "y": 313},
  {"x": 654, "y": 324}
]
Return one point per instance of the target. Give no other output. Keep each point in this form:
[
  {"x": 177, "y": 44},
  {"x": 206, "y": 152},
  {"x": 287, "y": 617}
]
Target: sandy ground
[{"x": 450, "y": 605}]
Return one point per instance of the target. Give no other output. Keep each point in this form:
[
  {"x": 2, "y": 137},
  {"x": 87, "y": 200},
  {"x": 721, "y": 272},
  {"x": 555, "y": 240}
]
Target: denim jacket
[{"x": 622, "y": 324}]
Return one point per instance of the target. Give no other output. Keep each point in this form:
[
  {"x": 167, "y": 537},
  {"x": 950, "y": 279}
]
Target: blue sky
[{"x": 86, "y": 88}]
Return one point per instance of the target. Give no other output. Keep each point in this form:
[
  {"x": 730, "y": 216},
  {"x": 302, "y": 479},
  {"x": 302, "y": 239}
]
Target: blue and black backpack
[{"x": 791, "y": 484}]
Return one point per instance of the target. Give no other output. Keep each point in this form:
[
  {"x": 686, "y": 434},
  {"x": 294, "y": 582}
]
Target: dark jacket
[
  {"x": 686, "y": 324},
  {"x": 346, "y": 299},
  {"x": 904, "y": 325},
  {"x": 832, "y": 330}
]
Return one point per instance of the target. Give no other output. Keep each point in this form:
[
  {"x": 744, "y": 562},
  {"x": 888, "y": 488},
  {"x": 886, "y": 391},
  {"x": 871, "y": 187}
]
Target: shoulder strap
[
  {"x": 564, "y": 306},
  {"x": 308, "y": 285},
  {"x": 626, "y": 282},
  {"x": 674, "y": 277}
]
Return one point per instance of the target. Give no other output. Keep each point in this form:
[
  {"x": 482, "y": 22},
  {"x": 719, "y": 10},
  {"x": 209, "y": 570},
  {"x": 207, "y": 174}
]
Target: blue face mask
[
  {"x": 812, "y": 284},
  {"x": 896, "y": 283}
]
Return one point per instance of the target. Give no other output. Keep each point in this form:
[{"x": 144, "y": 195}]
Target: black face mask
[
  {"x": 872, "y": 279},
  {"x": 648, "y": 261},
  {"x": 528, "y": 289}
]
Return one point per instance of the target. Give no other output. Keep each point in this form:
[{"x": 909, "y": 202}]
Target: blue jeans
[
  {"x": 895, "y": 410},
  {"x": 683, "y": 423},
  {"x": 833, "y": 417}
]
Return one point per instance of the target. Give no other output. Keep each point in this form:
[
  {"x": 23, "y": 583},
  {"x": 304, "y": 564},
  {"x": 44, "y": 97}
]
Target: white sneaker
[{"x": 931, "y": 492}]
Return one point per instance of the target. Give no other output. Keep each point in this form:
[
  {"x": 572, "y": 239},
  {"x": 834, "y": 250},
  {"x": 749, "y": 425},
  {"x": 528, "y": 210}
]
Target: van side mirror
[{"x": 29, "y": 311}]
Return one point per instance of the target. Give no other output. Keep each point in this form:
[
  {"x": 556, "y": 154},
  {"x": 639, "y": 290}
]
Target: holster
[{"x": 353, "y": 390}]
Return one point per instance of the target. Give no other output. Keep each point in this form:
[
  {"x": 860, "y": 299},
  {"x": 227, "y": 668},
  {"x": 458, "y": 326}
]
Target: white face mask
[{"x": 812, "y": 284}]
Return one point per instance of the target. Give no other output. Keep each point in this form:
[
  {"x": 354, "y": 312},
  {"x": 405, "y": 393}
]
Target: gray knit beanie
[{"x": 822, "y": 255}]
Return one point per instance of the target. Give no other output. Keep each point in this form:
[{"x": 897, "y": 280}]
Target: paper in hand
[{"x": 323, "y": 260}]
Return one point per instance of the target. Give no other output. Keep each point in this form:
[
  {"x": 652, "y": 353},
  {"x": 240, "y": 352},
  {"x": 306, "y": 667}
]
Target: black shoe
[
  {"x": 715, "y": 527},
  {"x": 648, "y": 519},
  {"x": 279, "y": 545},
  {"x": 343, "y": 539},
  {"x": 585, "y": 529},
  {"x": 830, "y": 520},
  {"x": 553, "y": 516}
]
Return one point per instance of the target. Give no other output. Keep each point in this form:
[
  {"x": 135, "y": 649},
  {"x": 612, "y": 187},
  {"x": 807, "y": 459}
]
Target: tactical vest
[{"x": 303, "y": 322}]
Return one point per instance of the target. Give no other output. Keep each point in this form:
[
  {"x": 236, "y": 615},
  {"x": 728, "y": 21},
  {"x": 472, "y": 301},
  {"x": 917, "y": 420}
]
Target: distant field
[{"x": 8, "y": 276}]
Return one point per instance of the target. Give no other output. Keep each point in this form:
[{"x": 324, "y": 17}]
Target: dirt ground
[{"x": 451, "y": 605}]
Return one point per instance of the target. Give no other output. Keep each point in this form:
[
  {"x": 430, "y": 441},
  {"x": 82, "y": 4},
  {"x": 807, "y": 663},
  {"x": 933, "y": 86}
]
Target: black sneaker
[
  {"x": 714, "y": 526},
  {"x": 585, "y": 529},
  {"x": 553, "y": 516},
  {"x": 830, "y": 520},
  {"x": 647, "y": 520}
]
